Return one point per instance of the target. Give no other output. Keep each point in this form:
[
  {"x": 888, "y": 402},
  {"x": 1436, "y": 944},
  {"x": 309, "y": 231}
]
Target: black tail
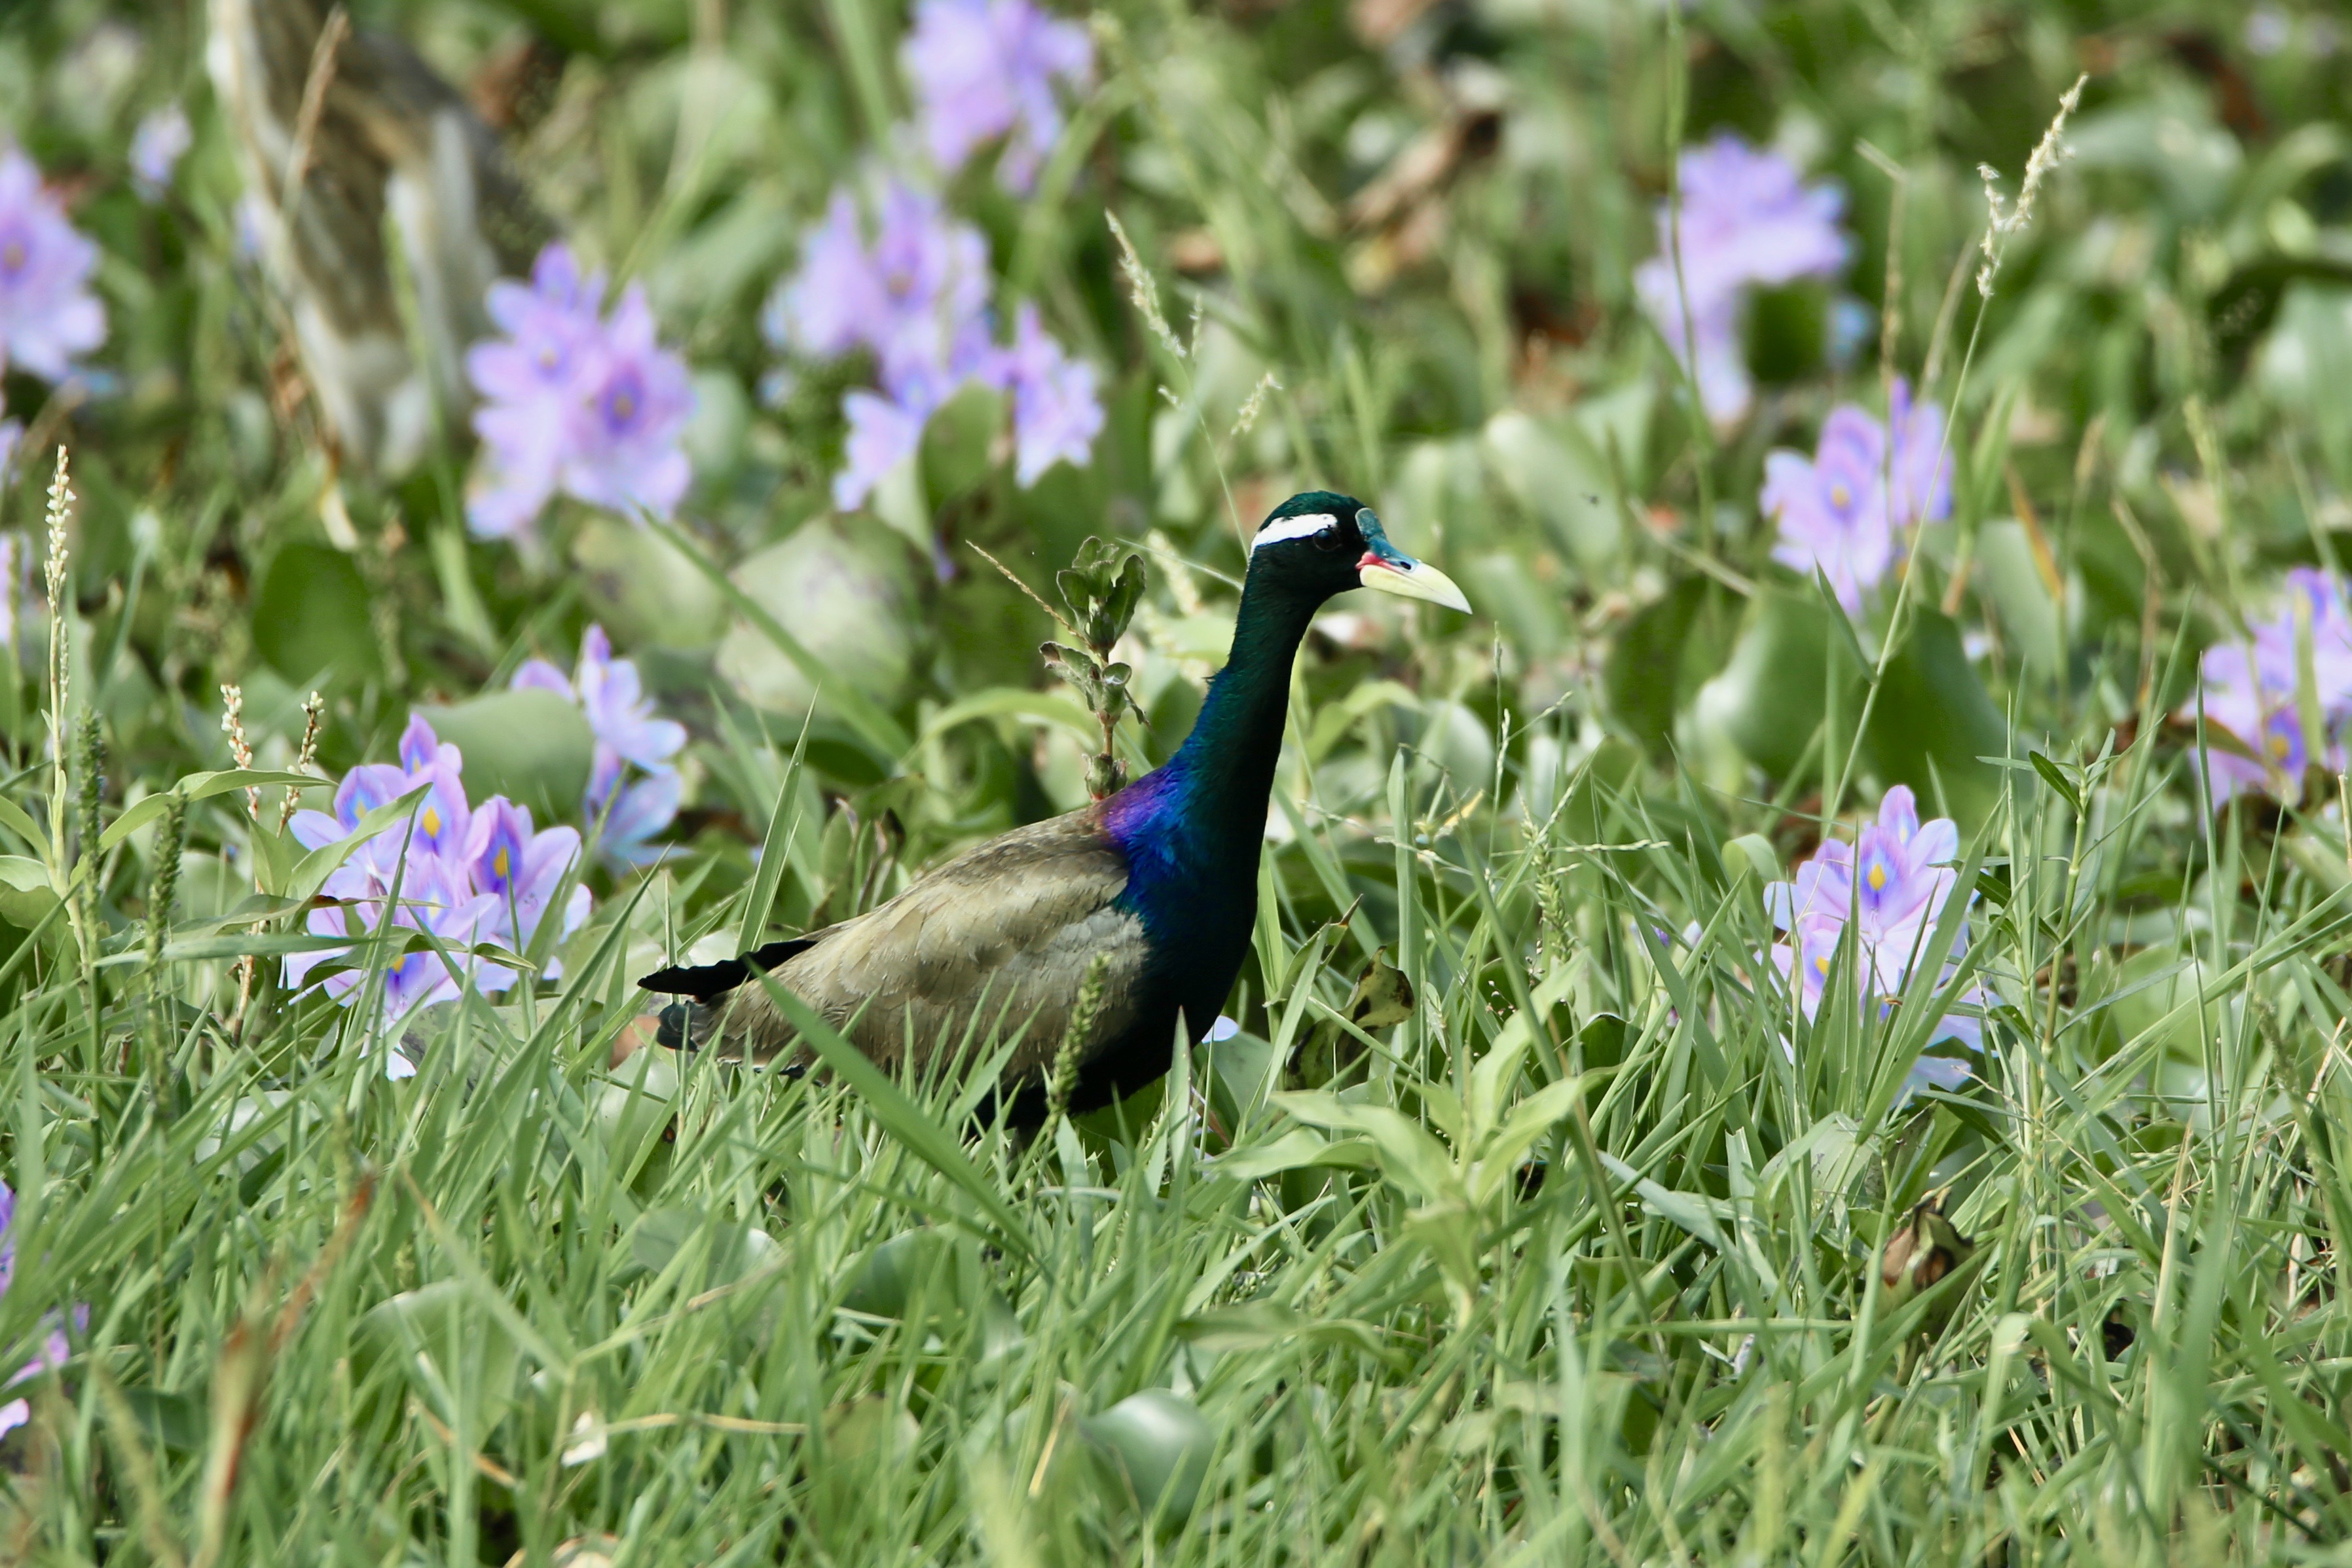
[{"x": 707, "y": 981}]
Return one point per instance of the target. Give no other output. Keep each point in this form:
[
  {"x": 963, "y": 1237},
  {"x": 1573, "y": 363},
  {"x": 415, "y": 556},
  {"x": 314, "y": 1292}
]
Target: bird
[
  {"x": 340, "y": 135},
  {"x": 1158, "y": 881}
]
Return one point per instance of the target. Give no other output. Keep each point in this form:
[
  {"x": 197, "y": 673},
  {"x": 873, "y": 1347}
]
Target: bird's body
[
  {"x": 1160, "y": 879},
  {"x": 393, "y": 151}
]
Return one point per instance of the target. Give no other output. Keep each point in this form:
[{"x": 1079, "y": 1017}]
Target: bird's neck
[{"x": 1227, "y": 763}]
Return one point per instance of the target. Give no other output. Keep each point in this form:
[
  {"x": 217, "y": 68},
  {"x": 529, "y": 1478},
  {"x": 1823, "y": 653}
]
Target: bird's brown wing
[{"x": 995, "y": 943}]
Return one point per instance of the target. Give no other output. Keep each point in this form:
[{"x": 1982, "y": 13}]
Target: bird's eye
[{"x": 1327, "y": 538}]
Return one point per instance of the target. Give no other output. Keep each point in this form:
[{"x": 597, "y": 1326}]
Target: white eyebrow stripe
[{"x": 1297, "y": 527}]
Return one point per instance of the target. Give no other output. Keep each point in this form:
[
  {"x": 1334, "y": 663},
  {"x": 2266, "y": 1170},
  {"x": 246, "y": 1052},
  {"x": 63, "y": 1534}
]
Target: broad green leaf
[
  {"x": 1932, "y": 721},
  {"x": 311, "y": 615},
  {"x": 1057, "y": 708},
  {"x": 1156, "y": 1445},
  {"x": 1554, "y": 474},
  {"x": 1770, "y": 697},
  {"x": 19, "y": 821},
  {"x": 26, "y": 894},
  {"x": 869, "y": 623},
  {"x": 959, "y": 441},
  {"x": 531, "y": 745}
]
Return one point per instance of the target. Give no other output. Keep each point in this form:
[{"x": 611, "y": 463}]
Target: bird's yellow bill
[{"x": 1409, "y": 579}]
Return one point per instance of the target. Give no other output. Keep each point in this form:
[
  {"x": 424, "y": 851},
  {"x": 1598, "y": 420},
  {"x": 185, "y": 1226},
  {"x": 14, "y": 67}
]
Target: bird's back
[{"x": 995, "y": 943}]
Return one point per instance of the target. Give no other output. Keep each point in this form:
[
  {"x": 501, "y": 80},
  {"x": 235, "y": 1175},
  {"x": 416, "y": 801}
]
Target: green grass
[{"x": 1580, "y": 1262}]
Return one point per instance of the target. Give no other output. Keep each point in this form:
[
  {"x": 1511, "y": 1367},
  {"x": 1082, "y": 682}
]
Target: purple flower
[
  {"x": 916, "y": 297},
  {"x": 47, "y": 314},
  {"x": 590, "y": 406},
  {"x": 466, "y": 875},
  {"x": 2252, "y": 690},
  {"x": 640, "y": 813},
  {"x": 629, "y": 733},
  {"x": 1055, "y": 413},
  {"x": 613, "y": 699},
  {"x": 828, "y": 306},
  {"x": 54, "y": 1349},
  {"x": 984, "y": 69},
  {"x": 550, "y": 328},
  {"x": 1831, "y": 507},
  {"x": 622, "y": 449},
  {"x": 1921, "y": 468},
  {"x": 437, "y": 897},
  {"x": 161, "y": 139},
  {"x": 1747, "y": 219},
  {"x": 524, "y": 870},
  {"x": 1888, "y": 889},
  {"x": 884, "y": 432},
  {"x": 1720, "y": 360}
]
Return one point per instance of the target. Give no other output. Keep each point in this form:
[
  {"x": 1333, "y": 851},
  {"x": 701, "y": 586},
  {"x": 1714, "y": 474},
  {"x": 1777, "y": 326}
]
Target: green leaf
[
  {"x": 1556, "y": 474},
  {"x": 531, "y": 745},
  {"x": 1932, "y": 721},
  {"x": 26, "y": 893},
  {"x": 311, "y": 615},
  {"x": 1156, "y": 1445},
  {"x": 1769, "y": 698},
  {"x": 450, "y": 1346},
  {"x": 861, "y": 712},
  {"x": 959, "y": 444},
  {"x": 204, "y": 786},
  {"x": 2057, "y": 781},
  {"x": 1055, "y": 708},
  {"x": 19, "y": 821},
  {"x": 775, "y": 850},
  {"x": 1643, "y": 678},
  {"x": 1297, "y": 1149}
]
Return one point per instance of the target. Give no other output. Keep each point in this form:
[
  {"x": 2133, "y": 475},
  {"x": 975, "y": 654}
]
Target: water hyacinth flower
[
  {"x": 56, "y": 1351},
  {"x": 985, "y": 69},
  {"x": 1056, "y": 414},
  {"x": 574, "y": 401},
  {"x": 464, "y": 874},
  {"x": 1835, "y": 510},
  {"x": 47, "y": 314},
  {"x": 916, "y": 298},
  {"x": 916, "y": 295},
  {"x": 1885, "y": 892},
  {"x": 1921, "y": 490},
  {"x": 2252, "y": 690},
  {"x": 1831, "y": 509},
  {"x": 629, "y": 734},
  {"x": 161, "y": 139},
  {"x": 621, "y": 449},
  {"x": 1748, "y": 219},
  {"x": 524, "y": 871}
]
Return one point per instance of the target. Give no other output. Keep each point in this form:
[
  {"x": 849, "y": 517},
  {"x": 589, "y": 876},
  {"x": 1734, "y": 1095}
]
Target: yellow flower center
[
  {"x": 1877, "y": 878},
  {"x": 1821, "y": 966},
  {"x": 502, "y": 865},
  {"x": 624, "y": 406},
  {"x": 432, "y": 822},
  {"x": 2279, "y": 747},
  {"x": 1841, "y": 498}
]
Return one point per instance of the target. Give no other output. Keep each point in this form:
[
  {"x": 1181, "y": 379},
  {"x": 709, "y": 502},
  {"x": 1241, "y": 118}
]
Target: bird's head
[{"x": 1317, "y": 544}]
